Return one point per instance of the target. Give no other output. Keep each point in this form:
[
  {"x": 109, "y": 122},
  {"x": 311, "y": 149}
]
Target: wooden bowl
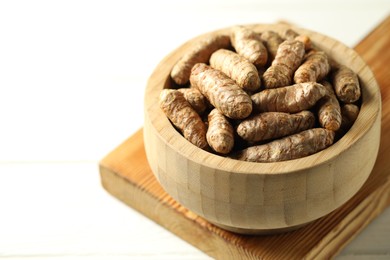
[{"x": 258, "y": 198}]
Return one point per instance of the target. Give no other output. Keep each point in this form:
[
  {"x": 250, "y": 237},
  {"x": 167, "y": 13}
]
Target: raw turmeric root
[
  {"x": 248, "y": 44},
  {"x": 346, "y": 84},
  {"x": 349, "y": 113},
  {"x": 222, "y": 92},
  {"x": 329, "y": 114},
  {"x": 294, "y": 84},
  {"x": 290, "y": 34},
  {"x": 305, "y": 40},
  {"x": 200, "y": 53},
  {"x": 184, "y": 117},
  {"x": 220, "y": 133},
  {"x": 271, "y": 125},
  {"x": 195, "y": 98},
  {"x": 289, "y": 99},
  {"x": 243, "y": 72},
  {"x": 288, "y": 58},
  {"x": 315, "y": 67},
  {"x": 291, "y": 147},
  {"x": 272, "y": 40}
]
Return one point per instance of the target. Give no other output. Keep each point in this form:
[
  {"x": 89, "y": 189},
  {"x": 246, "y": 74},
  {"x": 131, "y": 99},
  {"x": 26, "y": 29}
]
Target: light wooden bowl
[{"x": 255, "y": 198}]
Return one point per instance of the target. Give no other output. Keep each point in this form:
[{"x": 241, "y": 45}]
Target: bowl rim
[{"x": 370, "y": 109}]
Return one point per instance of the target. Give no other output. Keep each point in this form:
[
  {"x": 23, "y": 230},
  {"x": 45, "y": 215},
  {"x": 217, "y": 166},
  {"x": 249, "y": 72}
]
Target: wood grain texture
[{"x": 126, "y": 174}]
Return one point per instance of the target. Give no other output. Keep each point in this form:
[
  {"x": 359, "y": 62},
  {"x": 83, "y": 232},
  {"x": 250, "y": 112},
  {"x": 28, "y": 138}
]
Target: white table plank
[{"x": 61, "y": 210}]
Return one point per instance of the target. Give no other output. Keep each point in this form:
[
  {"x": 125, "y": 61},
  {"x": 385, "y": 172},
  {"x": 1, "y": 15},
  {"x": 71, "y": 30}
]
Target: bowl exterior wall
[{"x": 261, "y": 201}]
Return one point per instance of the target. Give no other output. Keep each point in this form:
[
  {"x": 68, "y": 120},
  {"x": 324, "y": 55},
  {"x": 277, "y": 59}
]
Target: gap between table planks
[{"x": 125, "y": 174}]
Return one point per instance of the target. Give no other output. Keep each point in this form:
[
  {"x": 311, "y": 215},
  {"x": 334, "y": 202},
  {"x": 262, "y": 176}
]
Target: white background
[{"x": 72, "y": 79}]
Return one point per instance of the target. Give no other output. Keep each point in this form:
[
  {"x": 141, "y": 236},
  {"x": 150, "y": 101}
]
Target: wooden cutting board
[{"x": 126, "y": 175}]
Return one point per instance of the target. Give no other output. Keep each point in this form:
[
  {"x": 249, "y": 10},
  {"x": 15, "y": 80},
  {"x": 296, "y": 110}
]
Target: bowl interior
[{"x": 370, "y": 108}]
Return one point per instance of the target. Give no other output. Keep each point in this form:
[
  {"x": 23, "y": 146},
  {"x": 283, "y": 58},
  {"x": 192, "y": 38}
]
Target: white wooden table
[{"x": 72, "y": 78}]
